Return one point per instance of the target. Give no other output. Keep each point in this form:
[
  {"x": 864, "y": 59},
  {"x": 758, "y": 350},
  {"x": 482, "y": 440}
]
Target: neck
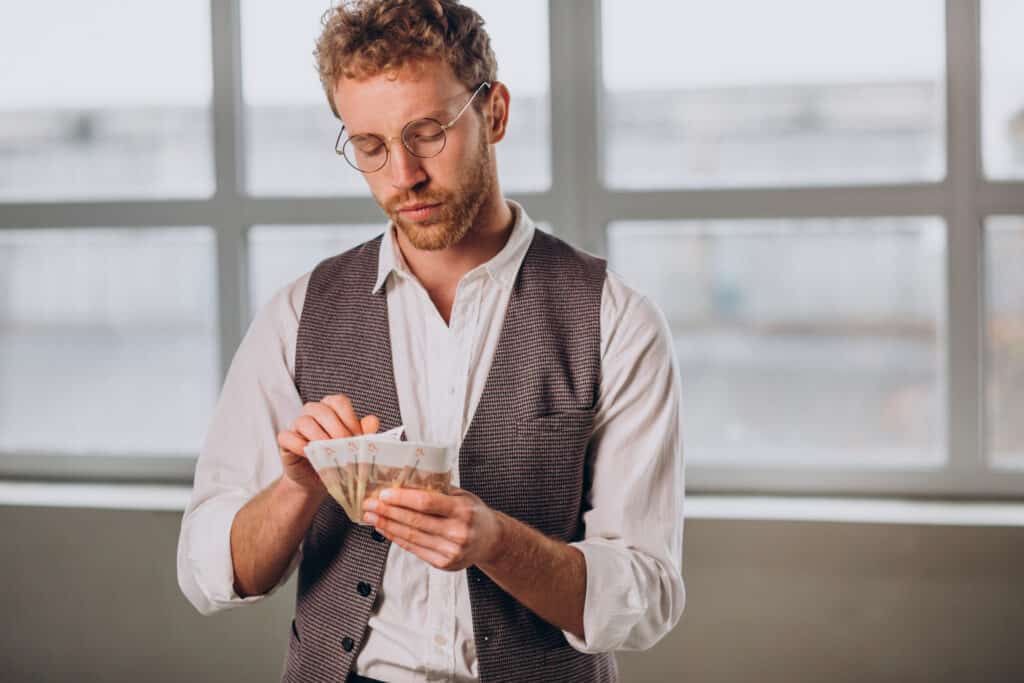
[{"x": 440, "y": 271}]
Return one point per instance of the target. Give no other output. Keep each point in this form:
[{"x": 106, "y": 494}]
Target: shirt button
[
  {"x": 347, "y": 644},
  {"x": 440, "y": 640},
  {"x": 363, "y": 588},
  {"x": 377, "y": 536}
]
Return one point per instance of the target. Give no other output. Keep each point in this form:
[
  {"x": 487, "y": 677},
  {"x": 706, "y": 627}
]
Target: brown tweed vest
[{"x": 524, "y": 454}]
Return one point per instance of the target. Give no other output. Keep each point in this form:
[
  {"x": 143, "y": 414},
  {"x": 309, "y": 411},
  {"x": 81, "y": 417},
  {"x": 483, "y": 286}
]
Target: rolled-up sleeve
[
  {"x": 239, "y": 455},
  {"x": 633, "y": 544}
]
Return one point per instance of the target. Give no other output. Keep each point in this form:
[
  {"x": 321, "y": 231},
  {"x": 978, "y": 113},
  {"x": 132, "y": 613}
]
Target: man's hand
[
  {"x": 456, "y": 531},
  {"x": 267, "y": 531},
  {"x": 333, "y": 417},
  {"x": 450, "y": 532}
]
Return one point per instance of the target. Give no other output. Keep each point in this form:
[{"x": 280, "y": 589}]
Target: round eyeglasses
[{"x": 424, "y": 138}]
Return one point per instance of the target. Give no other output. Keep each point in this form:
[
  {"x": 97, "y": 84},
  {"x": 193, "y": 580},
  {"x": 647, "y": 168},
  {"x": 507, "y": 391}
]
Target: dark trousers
[{"x": 353, "y": 677}]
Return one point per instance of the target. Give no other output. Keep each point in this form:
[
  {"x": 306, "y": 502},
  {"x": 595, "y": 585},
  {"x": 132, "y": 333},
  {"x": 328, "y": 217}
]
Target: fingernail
[
  {"x": 369, "y": 504},
  {"x": 369, "y": 517},
  {"x": 386, "y": 494}
]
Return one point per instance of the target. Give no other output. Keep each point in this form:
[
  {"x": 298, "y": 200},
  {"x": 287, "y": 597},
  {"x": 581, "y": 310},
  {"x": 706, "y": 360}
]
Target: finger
[
  {"x": 370, "y": 423},
  {"x": 428, "y": 523},
  {"x": 342, "y": 405},
  {"x": 307, "y": 426},
  {"x": 428, "y": 555},
  {"x": 431, "y": 502},
  {"x": 292, "y": 443},
  {"x": 402, "y": 533},
  {"x": 328, "y": 420}
]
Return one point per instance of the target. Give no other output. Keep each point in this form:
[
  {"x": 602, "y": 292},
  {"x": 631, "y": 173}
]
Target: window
[
  {"x": 108, "y": 341},
  {"x": 99, "y": 102},
  {"x": 1005, "y": 287},
  {"x": 790, "y": 92},
  {"x": 1002, "y": 89},
  {"x": 811, "y": 342},
  {"x": 795, "y": 183}
]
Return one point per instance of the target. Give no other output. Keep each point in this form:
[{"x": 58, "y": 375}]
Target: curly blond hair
[{"x": 363, "y": 38}]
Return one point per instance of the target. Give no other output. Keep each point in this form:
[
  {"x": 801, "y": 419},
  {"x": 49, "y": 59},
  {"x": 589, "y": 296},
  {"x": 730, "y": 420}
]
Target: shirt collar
[
  {"x": 502, "y": 267},
  {"x": 387, "y": 259}
]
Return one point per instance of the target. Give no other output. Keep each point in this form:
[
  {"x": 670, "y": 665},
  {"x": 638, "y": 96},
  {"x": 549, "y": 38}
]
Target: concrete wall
[{"x": 91, "y": 595}]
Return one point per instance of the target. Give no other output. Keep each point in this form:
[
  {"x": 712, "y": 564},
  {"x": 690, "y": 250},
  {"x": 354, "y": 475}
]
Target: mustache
[{"x": 406, "y": 198}]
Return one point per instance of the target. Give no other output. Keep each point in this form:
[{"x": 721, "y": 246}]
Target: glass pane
[
  {"x": 278, "y": 254},
  {"x": 1004, "y": 251},
  {"x": 107, "y": 340},
  {"x": 1002, "y": 88},
  {"x": 811, "y": 342},
  {"x": 290, "y": 128},
  {"x": 101, "y": 101},
  {"x": 792, "y": 92}
]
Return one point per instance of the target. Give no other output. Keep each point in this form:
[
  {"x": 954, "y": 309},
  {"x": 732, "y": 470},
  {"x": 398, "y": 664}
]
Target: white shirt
[{"x": 423, "y": 629}]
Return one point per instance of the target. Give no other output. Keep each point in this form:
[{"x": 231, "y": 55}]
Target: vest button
[
  {"x": 347, "y": 644},
  {"x": 363, "y": 588},
  {"x": 377, "y": 536}
]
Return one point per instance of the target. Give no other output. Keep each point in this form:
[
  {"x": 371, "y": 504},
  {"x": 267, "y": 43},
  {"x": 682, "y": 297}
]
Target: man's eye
[{"x": 368, "y": 146}]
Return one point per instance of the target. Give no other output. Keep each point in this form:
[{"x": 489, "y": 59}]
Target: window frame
[{"x": 580, "y": 208}]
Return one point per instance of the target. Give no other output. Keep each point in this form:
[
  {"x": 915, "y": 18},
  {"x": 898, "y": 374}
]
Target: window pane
[
  {"x": 107, "y": 340},
  {"x": 1002, "y": 88},
  {"x": 812, "y": 342},
  {"x": 290, "y": 128},
  {"x": 793, "y": 92},
  {"x": 1005, "y": 285},
  {"x": 278, "y": 254},
  {"x": 105, "y": 99}
]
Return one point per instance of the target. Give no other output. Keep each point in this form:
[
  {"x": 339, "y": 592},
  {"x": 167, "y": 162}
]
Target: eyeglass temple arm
[
  {"x": 337, "y": 141},
  {"x": 480, "y": 87}
]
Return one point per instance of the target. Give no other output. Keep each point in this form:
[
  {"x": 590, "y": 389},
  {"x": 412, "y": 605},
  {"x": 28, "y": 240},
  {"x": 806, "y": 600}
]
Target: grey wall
[{"x": 91, "y": 595}]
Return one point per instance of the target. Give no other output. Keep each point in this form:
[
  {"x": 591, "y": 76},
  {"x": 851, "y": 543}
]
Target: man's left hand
[{"x": 450, "y": 532}]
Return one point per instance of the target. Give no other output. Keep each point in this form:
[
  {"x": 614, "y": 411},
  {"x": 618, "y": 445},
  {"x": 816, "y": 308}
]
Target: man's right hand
[{"x": 333, "y": 417}]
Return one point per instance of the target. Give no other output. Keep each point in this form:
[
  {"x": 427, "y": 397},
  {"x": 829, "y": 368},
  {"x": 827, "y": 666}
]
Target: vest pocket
[
  {"x": 548, "y": 471},
  {"x": 565, "y": 422}
]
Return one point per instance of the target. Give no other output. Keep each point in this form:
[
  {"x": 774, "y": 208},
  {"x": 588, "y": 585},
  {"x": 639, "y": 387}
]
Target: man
[{"x": 467, "y": 324}]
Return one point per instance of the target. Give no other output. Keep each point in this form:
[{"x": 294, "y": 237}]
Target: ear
[{"x": 497, "y": 112}]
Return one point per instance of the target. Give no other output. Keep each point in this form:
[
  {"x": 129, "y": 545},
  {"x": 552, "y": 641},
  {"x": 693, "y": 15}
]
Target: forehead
[{"x": 386, "y": 101}]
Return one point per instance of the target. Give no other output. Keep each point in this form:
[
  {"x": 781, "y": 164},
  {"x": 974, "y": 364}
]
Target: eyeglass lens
[{"x": 424, "y": 138}]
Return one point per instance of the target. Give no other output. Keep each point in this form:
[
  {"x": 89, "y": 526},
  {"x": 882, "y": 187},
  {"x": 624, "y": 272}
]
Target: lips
[
  {"x": 418, "y": 207},
  {"x": 418, "y": 211}
]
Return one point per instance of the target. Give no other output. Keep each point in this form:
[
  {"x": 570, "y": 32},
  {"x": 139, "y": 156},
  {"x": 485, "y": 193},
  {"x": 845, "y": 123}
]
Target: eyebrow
[{"x": 437, "y": 114}]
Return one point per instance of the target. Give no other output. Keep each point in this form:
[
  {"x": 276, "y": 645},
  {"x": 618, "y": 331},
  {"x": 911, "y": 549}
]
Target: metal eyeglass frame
[{"x": 339, "y": 146}]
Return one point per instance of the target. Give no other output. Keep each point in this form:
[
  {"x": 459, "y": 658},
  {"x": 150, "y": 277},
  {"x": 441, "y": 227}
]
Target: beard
[{"x": 458, "y": 209}]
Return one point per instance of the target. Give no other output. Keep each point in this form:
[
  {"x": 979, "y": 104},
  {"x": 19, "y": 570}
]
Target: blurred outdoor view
[
  {"x": 803, "y": 341},
  {"x": 1004, "y": 256},
  {"x": 107, "y": 339}
]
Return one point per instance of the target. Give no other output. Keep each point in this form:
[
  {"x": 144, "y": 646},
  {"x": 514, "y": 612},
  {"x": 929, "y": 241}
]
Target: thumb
[{"x": 370, "y": 424}]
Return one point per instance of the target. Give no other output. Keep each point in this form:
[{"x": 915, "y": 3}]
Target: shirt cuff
[
  {"x": 614, "y": 601},
  {"x": 208, "y": 553}
]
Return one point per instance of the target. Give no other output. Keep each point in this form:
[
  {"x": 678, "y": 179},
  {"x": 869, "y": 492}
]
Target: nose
[{"x": 406, "y": 169}]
